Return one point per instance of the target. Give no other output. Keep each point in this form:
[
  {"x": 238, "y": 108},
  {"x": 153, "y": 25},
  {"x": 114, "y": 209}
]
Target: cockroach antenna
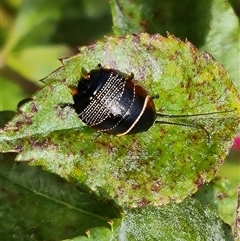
[{"x": 189, "y": 124}]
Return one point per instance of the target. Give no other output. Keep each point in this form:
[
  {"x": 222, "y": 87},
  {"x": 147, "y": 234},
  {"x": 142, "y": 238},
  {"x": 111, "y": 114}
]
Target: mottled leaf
[
  {"x": 223, "y": 195},
  {"x": 183, "y": 222},
  {"x": 166, "y": 163}
]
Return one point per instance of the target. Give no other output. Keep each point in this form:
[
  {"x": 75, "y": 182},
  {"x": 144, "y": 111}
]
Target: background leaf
[
  {"x": 36, "y": 205},
  {"x": 210, "y": 25},
  {"x": 44, "y": 32},
  {"x": 223, "y": 195},
  {"x": 186, "y": 221}
]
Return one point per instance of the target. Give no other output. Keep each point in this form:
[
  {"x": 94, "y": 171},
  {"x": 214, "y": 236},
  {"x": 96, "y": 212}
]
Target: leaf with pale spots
[
  {"x": 186, "y": 221},
  {"x": 221, "y": 194},
  {"x": 166, "y": 163}
]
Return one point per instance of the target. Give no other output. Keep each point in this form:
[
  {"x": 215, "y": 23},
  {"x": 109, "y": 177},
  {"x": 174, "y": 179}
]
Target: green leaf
[
  {"x": 36, "y": 205},
  {"x": 22, "y": 61},
  {"x": 223, "y": 37},
  {"x": 166, "y": 163},
  {"x": 221, "y": 194},
  {"x": 11, "y": 94},
  {"x": 128, "y": 16},
  {"x": 31, "y": 24},
  {"x": 43, "y": 31},
  {"x": 188, "y": 220},
  {"x": 210, "y": 25}
]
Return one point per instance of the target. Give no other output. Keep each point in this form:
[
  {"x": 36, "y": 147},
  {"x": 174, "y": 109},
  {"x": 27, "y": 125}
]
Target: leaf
[
  {"x": 36, "y": 205},
  {"x": 11, "y": 93},
  {"x": 23, "y": 64},
  {"x": 188, "y": 220},
  {"x": 210, "y": 25},
  {"x": 128, "y": 16},
  {"x": 221, "y": 194},
  {"x": 223, "y": 38},
  {"x": 31, "y": 29},
  {"x": 30, "y": 21},
  {"x": 42, "y": 30},
  {"x": 166, "y": 163}
]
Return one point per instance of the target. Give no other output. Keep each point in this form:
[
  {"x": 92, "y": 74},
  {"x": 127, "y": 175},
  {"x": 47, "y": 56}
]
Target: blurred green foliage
[{"x": 35, "y": 34}]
